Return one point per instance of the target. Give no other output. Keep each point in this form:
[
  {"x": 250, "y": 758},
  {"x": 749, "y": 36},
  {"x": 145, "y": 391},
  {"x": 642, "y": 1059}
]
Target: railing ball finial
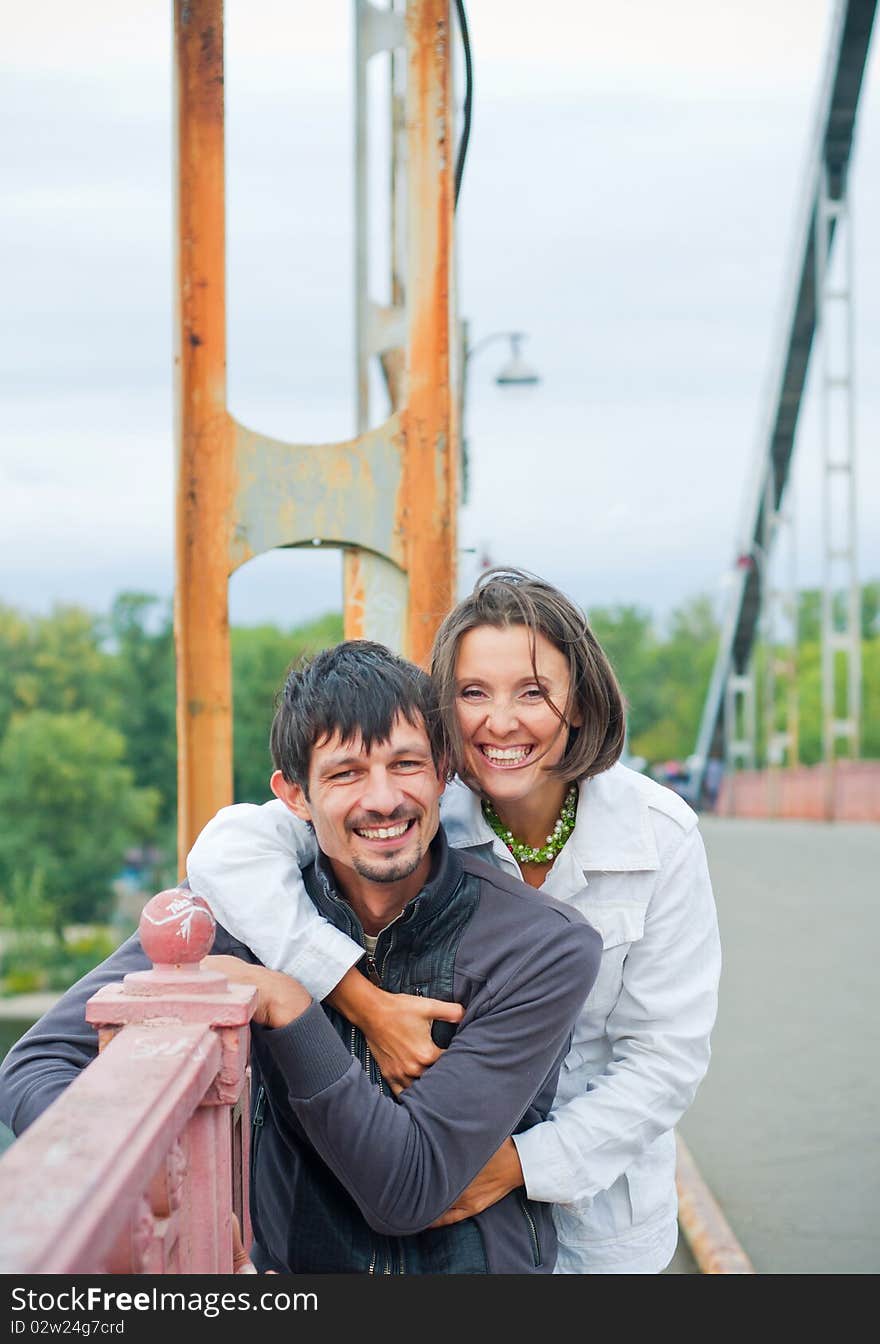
[{"x": 176, "y": 928}]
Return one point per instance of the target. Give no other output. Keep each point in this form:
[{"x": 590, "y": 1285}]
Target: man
[{"x": 346, "y": 1178}]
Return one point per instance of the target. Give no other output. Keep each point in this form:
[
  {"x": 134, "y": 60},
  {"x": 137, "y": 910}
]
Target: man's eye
[
  {"x": 409, "y": 765},
  {"x": 343, "y": 776}
]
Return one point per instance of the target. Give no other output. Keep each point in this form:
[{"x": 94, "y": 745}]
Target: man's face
[{"x": 375, "y": 812}]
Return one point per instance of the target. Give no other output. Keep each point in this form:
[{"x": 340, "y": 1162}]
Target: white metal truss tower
[{"x": 841, "y": 593}]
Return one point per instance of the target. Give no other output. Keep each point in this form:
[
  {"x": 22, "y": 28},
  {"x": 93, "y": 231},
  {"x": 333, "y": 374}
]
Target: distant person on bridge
[
  {"x": 346, "y": 1179},
  {"x": 535, "y": 721}
]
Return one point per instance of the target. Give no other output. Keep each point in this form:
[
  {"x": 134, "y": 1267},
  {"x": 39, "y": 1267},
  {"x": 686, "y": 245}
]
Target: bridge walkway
[{"x": 784, "y": 1127}]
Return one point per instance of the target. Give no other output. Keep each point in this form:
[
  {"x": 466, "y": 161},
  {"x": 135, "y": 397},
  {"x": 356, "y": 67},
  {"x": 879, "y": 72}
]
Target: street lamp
[
  {"x": 515, "y": 370},
  {"x": 514, "y": 373}
]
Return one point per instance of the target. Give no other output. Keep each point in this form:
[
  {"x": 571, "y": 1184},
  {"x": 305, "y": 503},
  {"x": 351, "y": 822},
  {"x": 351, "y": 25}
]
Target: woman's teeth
[{"x": 506, "y": 755}]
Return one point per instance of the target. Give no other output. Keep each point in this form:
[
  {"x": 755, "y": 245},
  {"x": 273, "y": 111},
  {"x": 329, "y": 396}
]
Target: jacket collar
[
  {"x": 613, "y": 831},
  {"x": 444, "y": 876}
]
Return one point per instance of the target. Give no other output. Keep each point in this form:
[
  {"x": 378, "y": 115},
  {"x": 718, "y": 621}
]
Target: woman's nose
[{"x": 502, "y": 717}]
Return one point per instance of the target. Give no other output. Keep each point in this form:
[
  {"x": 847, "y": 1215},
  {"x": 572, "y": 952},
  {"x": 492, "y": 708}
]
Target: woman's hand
[
  {"x": 397, "y": 1026},
  {"x": 501, "y": 1174}
]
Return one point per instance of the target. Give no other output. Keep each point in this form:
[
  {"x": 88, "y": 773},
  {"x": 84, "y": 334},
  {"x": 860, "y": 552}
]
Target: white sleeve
[
  {"x": 247, "y": 864},
  {"x": 658, "y": 1032}
]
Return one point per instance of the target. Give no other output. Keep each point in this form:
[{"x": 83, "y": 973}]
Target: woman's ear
[{"x": 291, "y": 795}]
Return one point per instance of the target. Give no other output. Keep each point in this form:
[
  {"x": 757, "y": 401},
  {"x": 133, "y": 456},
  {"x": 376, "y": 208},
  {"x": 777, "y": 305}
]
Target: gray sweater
[{"x": 335, "y": 1149}]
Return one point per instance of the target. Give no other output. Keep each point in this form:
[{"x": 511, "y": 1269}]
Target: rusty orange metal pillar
[
  {"x": 399, "y": 594},
  {"x": 429, "y": 493},
  {"x": 388, "y": 497},
  {"x": 203, "y": 429}
]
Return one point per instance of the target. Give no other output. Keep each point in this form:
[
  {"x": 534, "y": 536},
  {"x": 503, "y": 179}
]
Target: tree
[
  {"x": 664, "y": 679},
  {"x": 70, "y": 810},
  {"x": 626, "y": 633},
  {"x": 53, "y": 662},
  {"x": 261, "y": 656},
  {"x": 142, "y": 670}
]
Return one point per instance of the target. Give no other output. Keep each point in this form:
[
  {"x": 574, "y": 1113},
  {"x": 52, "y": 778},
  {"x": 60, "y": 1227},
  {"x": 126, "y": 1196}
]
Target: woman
[{"x": 535, "y": 723}]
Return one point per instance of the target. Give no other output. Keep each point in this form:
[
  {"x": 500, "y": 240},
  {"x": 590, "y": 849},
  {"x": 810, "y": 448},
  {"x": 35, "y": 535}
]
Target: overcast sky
[{"x": 629, "y": 201}]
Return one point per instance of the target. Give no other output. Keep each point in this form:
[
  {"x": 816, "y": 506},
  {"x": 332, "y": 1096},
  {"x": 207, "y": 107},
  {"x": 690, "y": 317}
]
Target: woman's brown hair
[{"x": 503, "y": 597}]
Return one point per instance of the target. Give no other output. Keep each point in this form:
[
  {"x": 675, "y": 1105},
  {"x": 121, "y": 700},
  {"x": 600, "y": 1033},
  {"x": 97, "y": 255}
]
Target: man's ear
[{"x": 291, "y": 795}]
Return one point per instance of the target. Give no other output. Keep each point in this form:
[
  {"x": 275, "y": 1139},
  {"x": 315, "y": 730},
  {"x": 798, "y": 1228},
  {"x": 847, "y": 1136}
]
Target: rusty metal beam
[
  {"x": 428, "y": 517},
  {"x": 706, "y": 1230},
  {"x": 203, "y": 428},
  {"x": 334, "y": 493}
]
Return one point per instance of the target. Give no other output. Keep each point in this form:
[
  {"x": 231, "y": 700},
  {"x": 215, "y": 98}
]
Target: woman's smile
[{"x": 505, "y": 758}]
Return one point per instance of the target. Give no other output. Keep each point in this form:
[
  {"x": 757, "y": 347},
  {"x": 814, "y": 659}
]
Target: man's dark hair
[{"x": 356, "y": 689}]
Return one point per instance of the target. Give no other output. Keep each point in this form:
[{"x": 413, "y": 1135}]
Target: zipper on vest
[
  {"x": 367, "y": 1059},
  {"x": 259, "y": 1108},
  {"x": 257, "y": 1128},
  {"x": 536, "y": 1248}
]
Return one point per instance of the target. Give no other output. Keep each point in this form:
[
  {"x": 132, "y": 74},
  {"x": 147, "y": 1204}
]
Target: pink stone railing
[
  {"x": 845, "y": 791},
  {"x": 138, "y": 1167}
]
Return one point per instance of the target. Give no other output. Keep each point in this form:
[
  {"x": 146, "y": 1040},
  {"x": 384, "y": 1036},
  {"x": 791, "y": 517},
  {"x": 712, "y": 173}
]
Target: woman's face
[{"x": 511, "y": 735}]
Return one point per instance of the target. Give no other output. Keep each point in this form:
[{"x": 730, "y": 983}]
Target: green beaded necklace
[{"x": 537, "y": 853}]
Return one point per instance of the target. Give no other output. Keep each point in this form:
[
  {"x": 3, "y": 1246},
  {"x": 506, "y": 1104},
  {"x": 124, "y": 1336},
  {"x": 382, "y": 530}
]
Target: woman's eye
[
  {"x": 533, "y": 693},
  {"x": 471, "y": 693}
]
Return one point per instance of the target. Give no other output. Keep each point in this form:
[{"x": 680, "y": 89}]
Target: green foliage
[
  {"x": 24, "y": 904},
  {"x": 261, "y": 656},
  {"x": 809, "y": 700},
  {"x": 664, "y": 679},
  {"x": 142, "y": 670},
  {"x": 53, "y": 662},
  {"x": 88, "y": 749},
  {"x": 70, "y": 809},
  {"x": 627, "y": 635},
  {"x": 33, "y": 960},
  {"x": 810, "y": 613}
]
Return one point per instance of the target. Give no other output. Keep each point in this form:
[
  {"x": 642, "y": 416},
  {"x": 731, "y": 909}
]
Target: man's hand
[
  {"x": 241, "y": 1261},
  {"x": 397, "y": 1026},
  {"x": 280, "y": 998},
  {"x": 501, "y": 1174}
]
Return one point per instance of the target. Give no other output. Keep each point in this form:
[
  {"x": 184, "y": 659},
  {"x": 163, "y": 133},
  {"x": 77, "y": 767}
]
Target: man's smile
[{"x": 387, "y": 834}]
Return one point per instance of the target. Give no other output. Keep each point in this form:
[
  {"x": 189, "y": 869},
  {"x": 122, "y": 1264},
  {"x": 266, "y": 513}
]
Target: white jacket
[{"x": 636, "y": 867}]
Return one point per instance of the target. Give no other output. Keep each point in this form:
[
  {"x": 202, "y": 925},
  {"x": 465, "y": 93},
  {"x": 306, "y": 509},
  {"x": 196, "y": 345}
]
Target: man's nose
[{"x": 382, "y": 794}]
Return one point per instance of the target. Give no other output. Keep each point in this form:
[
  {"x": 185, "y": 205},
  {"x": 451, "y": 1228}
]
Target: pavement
[{"x": 784, "y": 1128}]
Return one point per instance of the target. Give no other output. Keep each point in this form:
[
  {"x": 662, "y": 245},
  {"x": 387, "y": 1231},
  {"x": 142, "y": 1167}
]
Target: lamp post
[{"x": 515, "y": 372}]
